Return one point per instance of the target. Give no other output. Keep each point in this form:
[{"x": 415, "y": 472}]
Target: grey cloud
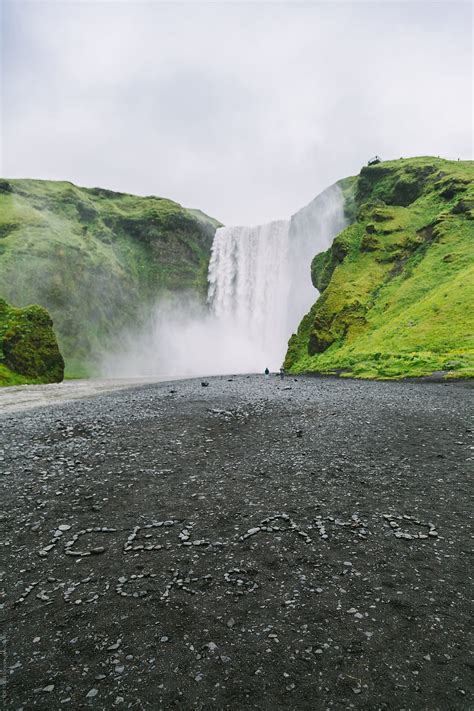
[{"x": 245, "y": 110}]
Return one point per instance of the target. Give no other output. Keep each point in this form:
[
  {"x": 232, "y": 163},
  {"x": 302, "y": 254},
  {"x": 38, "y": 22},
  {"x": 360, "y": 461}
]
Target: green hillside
[
  {"x": 397, "y": 285},
  {"x": 95, "y": 258},
  {"x": 29, "y": 351}
]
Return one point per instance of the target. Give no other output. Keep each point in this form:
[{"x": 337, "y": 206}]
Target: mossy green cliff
[
  {"x": 397, "y": 286},
  {"x": 96, "y": 258},
  {"x": 28, "y": 348}
]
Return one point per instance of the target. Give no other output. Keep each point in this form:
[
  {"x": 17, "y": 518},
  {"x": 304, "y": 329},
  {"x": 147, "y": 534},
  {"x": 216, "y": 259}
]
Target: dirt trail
[{"x": 252, "y": 544}]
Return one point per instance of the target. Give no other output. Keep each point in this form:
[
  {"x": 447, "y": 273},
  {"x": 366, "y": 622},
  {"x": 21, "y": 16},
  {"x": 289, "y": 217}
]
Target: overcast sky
[{"x": 245, "y": 110}]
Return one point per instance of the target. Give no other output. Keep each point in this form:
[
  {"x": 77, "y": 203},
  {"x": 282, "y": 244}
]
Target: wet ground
[
  {"x": 24, "y": 397},
  {"x": 250, "y": 544}
]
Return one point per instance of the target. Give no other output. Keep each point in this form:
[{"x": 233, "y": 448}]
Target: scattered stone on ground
[{"x": 192, "y": 552}]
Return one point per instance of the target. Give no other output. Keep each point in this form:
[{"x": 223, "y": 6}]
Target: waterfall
[
  {"x": 259, "y": 277},
  {"x": 259, "y": 289},
  {"x": 249, "y": 284}
]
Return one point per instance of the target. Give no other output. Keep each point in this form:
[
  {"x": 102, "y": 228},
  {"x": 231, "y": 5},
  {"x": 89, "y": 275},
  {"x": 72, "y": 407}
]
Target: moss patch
[{"x": 28, "y": 348}]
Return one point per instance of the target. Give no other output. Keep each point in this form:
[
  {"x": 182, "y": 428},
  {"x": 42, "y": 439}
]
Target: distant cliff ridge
[
  {"x": 96, "y": 258},
  {"x": 397, "y": 285}
]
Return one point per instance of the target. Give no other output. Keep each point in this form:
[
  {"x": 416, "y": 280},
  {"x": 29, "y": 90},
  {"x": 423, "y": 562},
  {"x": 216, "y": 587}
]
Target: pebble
[
  {"x": 253, "y": 531},
  {"x": 93, "y": 692}
]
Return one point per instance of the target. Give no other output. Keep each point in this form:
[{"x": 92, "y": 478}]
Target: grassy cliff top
[
  {"x": 89, "y": 204},
  {"x": 397, "y": 284}
]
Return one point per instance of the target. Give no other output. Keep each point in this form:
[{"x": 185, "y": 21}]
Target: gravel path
[{"x": 252, "y": 544}]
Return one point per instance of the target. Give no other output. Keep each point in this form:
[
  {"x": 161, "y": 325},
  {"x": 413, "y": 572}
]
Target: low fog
[{"x": 183, "y": 338}]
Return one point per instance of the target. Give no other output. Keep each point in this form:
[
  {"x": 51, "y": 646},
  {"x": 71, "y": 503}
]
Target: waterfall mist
[{"x": 259, "y": 289}]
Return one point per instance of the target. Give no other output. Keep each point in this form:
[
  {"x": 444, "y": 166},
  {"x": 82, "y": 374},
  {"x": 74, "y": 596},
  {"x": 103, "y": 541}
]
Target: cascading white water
[
  {"x": 259, "y": 289},
  {"x": 249, "y": 284},
  {"x": 259, "y": 277}
]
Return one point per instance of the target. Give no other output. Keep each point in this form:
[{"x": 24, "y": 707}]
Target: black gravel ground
[{"x": 252, "y": 544}]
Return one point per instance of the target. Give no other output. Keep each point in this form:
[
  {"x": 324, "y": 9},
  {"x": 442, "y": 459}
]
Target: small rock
[
  {"x": 49, "y": 688},
  {"x": 93, "y": 692},
  {"x": 253, "y": 531}
]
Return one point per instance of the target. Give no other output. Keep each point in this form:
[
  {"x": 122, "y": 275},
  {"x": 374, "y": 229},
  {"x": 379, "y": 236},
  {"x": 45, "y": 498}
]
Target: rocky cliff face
[
  {"x": 28, "y": 348},
  {"x": 397, "y": 283},
  {"x": 96, "y": 258}
]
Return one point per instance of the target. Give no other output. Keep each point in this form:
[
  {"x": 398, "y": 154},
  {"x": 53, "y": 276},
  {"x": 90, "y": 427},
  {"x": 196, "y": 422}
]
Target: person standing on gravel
[
  {"x": 267, "y": 372},
  {"x": 282, "y": 373}
]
